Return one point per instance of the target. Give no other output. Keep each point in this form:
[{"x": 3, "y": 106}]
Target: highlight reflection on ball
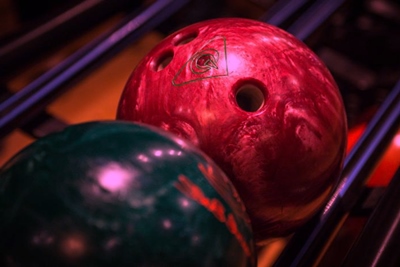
[{"x": 119, "y": 194}]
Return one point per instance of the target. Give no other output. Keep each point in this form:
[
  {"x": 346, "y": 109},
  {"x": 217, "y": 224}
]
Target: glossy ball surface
[
  {"x": 119, "y": 194},
  {"x": 257, "y": 101}
]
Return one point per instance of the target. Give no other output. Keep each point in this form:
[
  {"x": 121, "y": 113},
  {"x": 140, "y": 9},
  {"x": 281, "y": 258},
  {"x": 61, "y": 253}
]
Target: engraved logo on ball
[{"x": 208, "y": 62}]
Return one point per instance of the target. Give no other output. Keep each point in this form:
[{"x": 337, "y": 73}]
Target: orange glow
[
  {"x": 353, "y": 135},
  {"x": 389, "y": 162}
]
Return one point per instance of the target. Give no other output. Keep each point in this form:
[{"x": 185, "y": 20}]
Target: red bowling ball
[{"x": 259, "y": 102}]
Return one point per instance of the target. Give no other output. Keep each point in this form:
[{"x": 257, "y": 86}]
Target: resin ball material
[
  {"x": 257, "y": 101},
  {"x": 119, "y": 194}
]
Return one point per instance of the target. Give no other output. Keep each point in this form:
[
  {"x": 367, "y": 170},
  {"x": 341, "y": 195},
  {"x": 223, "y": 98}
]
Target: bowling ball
[
  {"x": 259, "y": 102},
  {"x": 119, "y": 194}
]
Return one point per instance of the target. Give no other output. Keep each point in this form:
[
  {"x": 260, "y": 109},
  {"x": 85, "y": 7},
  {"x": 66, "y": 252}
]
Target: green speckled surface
[{"x": 119, "y": 194}]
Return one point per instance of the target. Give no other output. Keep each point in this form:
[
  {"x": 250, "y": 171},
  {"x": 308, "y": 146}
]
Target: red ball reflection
[{"x": 256, "y": 100}]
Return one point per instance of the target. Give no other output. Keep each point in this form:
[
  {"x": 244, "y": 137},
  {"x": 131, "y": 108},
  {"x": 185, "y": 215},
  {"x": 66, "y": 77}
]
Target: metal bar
[
  {"x": 281, "y": 11},
  {"x": 367, "y": 150},
  {"x": 306, "y": 245},
  {"x": 379, "y": 240},
  {"x": 56, "y": 30},
  {"x": 314, "y": 17},
  {"x": 26, "y": 45},
  {"x": 36, "y": 95}
]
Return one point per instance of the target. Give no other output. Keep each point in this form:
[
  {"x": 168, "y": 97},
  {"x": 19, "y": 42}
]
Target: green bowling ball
[{"x": 119, "y": 194}]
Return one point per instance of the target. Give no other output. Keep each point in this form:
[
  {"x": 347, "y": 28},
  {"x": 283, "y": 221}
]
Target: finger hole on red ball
[
  {"x": 185, "y": 38},
  {"x": 250, "y": 95},
  {"x": 162, "y": 61}
]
